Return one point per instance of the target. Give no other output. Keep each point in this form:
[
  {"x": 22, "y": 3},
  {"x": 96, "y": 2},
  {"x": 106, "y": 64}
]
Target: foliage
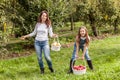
[
  {"x": 31, "y": 9},
  {"x": 97, "y": 13},
  {"x": 4, "y": 38}
]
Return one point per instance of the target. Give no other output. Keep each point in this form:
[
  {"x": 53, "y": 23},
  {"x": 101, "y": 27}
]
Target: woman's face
[
  {"x": 82, "y": 32},
  {"x": 44, "y": 17}
]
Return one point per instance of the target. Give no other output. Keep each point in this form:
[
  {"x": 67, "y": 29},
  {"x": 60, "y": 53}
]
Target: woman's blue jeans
[
  {"x": 43, "y": 46},
  {"x": 87, "y": 57}
]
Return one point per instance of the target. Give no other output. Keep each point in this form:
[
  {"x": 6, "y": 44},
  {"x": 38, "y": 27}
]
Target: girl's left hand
[{"x": 82, "y": 57}]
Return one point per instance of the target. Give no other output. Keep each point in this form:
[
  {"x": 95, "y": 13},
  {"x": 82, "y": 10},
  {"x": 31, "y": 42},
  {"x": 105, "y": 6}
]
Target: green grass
[{"x": 105, "y": 55}]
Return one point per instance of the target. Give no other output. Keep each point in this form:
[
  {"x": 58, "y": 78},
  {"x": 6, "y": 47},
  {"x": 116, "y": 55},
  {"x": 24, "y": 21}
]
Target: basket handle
[
  {"x": 56, "y": 39},
  {"x": 75, "y": 60}
]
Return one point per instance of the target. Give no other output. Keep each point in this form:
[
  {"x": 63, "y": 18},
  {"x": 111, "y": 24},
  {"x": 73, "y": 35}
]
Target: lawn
[{"x": 105, "y": 54}]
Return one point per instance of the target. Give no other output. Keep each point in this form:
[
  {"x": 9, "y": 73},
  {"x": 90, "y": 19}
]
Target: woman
[{"x": 41, "y": 30}]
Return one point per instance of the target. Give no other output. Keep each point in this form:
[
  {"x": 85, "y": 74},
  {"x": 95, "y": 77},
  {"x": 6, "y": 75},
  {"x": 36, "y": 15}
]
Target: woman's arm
[
  {"x": 51, "y": 34},
  {"x": 31, "y": 34},
  {"x": 34, "y": 32},
  {"x": 24, "y": 37}
]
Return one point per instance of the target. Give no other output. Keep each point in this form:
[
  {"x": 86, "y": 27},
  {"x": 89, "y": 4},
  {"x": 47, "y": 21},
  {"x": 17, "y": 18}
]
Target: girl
[
  {"x": 41, "y": 30},
  {"x": 82, "y": 42}
]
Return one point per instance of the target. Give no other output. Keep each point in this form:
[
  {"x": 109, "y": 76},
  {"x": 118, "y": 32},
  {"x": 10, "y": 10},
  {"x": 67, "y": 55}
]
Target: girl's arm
[
  {"x": 84, "y": 50},
  {"x": 85, "y": 47},
  {"x": 77, "y": 47}
]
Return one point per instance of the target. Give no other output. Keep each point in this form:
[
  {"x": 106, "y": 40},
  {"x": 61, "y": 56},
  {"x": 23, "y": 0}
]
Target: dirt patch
[
  {"x": 31, "y": 51},
  {"x": 68, "y": 45},
  {"x": 14, "y": 55},
  {"x": 99, "y": 37}
]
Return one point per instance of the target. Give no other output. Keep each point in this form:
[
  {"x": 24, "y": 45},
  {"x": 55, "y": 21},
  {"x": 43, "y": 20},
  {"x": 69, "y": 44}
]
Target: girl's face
[
  {"x": 82, "y": 32},
  {"x": 44, "y": 17}
]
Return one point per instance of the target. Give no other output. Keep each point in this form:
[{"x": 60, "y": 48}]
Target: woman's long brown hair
[
  {"x": 86, "y": 35},
  {"x": 47, "y": 22}
]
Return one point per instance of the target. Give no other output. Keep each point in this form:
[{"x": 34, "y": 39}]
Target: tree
[
  {"x": 116, "y": 16},
  {"x": 72, "y": 5},
  {"x": 87, "y": 11},
  {"x": 30, "y": 9},
  {"x": 98, "y": 13}
]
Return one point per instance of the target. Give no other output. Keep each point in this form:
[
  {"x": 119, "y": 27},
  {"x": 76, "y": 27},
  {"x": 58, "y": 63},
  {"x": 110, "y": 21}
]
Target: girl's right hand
[{"x": 76, "y": 55}]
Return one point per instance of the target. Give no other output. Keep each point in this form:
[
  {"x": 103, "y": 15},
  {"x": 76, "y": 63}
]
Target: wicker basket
[
  {"x": 55, "y": 46},
  {"x": 79, "y": 71}
]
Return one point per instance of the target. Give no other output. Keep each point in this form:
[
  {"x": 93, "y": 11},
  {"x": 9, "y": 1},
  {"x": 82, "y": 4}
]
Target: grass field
[{"x": 104, "y": 53}]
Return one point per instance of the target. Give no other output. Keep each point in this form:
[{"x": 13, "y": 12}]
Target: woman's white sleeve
[
  {"x": 34, "y": 32},
  {"x": 50, "y": 32}
]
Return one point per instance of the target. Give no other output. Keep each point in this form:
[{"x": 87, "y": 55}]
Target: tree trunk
[
  {"x": 94, "y": 30},
  {"x": 92, "y": 23},
  {"x": 71, "y": 21},
  {"x": 115, "y": 26}
]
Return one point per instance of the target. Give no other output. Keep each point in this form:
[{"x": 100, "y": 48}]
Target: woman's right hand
[{"x": 23, "y": 37}]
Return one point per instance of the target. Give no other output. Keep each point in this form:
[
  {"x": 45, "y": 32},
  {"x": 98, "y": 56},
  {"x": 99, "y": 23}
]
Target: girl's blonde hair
[{"x": 86, "y": 35}]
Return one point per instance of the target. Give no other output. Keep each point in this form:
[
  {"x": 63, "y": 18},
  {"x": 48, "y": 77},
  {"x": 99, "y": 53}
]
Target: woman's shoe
[
  {"x": 42, "y": 70},
  {"x": 51, "y": 69}
]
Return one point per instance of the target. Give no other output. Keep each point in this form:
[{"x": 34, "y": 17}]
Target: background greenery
[
  {"x": 18, "y": 17},
  {"x": 21, "y": 15}
]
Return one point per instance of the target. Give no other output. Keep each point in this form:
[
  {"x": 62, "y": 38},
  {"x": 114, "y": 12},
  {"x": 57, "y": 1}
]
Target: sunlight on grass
[{"x": 105, "y": 55}]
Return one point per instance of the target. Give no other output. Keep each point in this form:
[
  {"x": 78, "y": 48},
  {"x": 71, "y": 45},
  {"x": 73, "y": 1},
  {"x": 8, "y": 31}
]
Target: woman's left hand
[{"x": 55, "y": 35}]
